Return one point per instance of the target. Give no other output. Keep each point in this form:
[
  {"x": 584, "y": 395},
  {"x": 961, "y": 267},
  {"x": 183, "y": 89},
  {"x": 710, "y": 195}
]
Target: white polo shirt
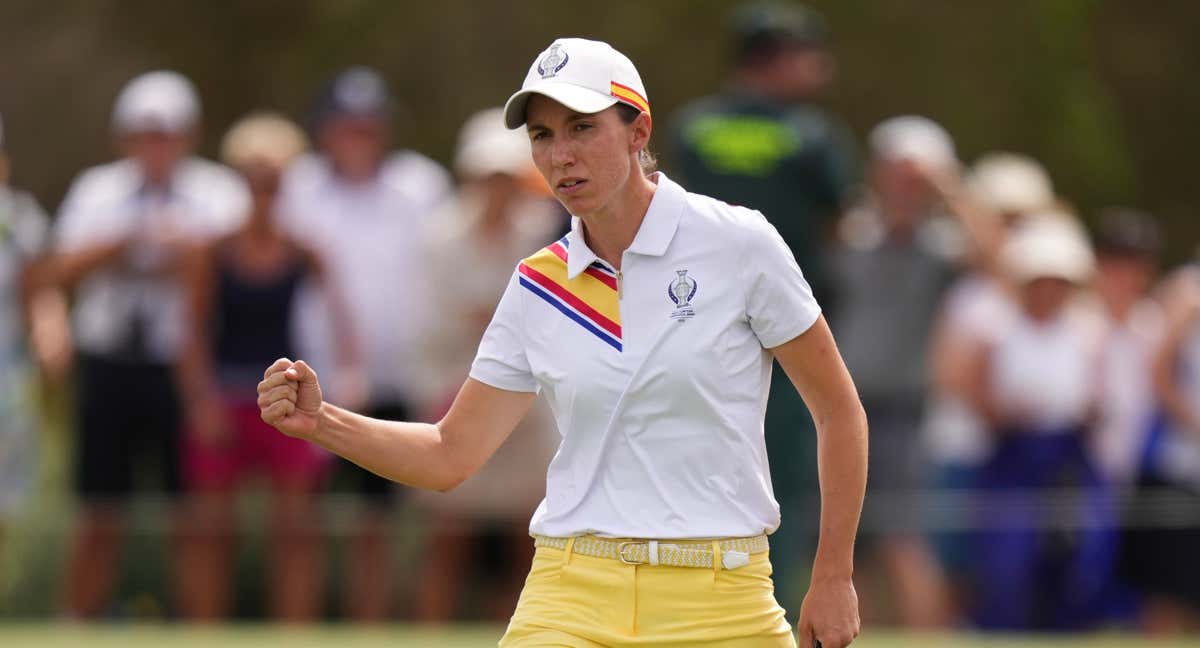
[
  {"x": 110, "y": 202},
  {"x": 658, "y": 375},
  {"x": 370, "y": 236}
]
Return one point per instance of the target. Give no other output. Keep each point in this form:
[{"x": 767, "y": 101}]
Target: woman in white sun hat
[
  {"x": 650, "y": 328},
  {"x": 1034, "y": 566}
]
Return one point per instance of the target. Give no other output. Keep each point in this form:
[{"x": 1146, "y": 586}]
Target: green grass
[{"x": 36, "y": 635}]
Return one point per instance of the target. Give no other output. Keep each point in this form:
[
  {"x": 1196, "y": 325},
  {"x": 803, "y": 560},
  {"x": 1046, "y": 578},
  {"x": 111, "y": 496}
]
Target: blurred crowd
[{"x": 1031, "y": 375}]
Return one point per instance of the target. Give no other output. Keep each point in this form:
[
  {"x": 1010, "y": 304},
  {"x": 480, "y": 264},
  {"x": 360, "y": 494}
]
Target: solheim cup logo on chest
[
  {"x": 553, "y": 62},
  {"x": 681, "y": 291}
]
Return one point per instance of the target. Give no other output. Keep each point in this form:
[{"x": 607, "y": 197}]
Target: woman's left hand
[{"x": 829, "y": 613}]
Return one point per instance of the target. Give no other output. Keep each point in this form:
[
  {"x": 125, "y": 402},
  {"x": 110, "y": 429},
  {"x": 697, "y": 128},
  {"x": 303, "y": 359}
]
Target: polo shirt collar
[{"x": 653, "y": 236}]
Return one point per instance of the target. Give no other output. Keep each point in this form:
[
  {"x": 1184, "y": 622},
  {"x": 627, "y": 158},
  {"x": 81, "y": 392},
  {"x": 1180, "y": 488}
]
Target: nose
[{"x": 561, "y": 154}]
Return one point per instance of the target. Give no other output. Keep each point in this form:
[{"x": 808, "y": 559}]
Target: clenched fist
[
  {"x": 289, "y": 398},
  {"x": 829, "y": 614}
]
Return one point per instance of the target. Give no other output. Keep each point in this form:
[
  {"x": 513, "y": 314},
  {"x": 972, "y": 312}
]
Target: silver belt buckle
[{"x": 621, "y": 548}]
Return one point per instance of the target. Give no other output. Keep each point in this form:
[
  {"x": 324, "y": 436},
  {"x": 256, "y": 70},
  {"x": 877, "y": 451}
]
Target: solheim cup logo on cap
[
  {"x": 554, "y": 61},
  {"x": 681, "y": 291}
]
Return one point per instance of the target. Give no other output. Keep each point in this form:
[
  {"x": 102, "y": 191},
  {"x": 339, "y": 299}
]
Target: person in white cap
[
  {"x": 501, "y": 212},
  {"x": 364, "y": 209},
  {"x": 900, "y": 249},
  {"x": 1038, "y": 562},
  {"x": 120, "y": 233},
  {"x": 650, "y": 328},
  {"x": 1004, "y": 188}
]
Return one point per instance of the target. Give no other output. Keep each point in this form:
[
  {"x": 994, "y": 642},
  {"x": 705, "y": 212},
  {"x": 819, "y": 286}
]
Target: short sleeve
[
  {"x": 30, "y": 225},
  {"x": 76, "y": 224},
  {"x": 501, "y": 360},
  {"x": 779, "y": 302}
]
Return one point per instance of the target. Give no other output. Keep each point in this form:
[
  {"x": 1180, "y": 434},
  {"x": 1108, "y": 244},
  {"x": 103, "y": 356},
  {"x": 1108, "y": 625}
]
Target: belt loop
[
  {"x": 568, "y": 550},
  {"x": 652, "y": 551},
  {"x": 716, "y": 552}
]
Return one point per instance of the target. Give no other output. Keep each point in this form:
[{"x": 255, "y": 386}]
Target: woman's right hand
[{"x": 289, "y": 398}]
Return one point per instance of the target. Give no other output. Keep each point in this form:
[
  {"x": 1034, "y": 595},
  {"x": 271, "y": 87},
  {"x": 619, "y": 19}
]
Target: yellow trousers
[{"x": 576, "y": 601}]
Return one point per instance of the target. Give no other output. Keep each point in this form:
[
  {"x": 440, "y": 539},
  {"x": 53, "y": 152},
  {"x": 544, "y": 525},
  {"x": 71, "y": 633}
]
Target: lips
[{"x": 568, "y": 186}]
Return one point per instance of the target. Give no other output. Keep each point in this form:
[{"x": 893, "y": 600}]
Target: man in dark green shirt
[{"x": 763, "y": 144}]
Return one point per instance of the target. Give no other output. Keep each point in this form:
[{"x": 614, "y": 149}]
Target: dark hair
[
  {"x": 1123, "y": 231},
  {"x": 646, "y": 159},
  {"x": 763, "y": 30}
]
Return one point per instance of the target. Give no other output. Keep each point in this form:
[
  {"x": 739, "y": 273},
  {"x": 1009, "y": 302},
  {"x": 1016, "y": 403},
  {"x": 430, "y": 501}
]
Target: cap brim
[
  {"x": 577, "y": 98},
  {"x": 135, "y": 124}
]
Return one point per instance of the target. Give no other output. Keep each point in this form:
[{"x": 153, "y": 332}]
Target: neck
[
  {"x": 759, "y": 84},
  {"x": 1119, "y": 306},
  {"x": 610, "y": 230},
  {"x": 258, "y": 224},
  {"x": 753, "y": 84},
  {"x": 157, "y": 181},
  {"x": 493, "y": 219}
]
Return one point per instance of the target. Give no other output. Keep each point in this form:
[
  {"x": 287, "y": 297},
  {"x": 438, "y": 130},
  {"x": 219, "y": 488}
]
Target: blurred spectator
[
  {"x": 900, "y": 249},
  {"x": 364, "y": 211},
  {"x": 23, "y": 233},
  {"x": 241, "y": 290},
  {"x": 1160, "y": 559},
  {"x": 494, "y": 220},
  {"x": 1043, "y": 559},
  {"x": 1128, "y": 243},
  {"x": 764, "y": 143},
  {"x": 978, "y": 308},
  {"x": 1010, "y": 185},
  {"x": 119, "y": 235}
]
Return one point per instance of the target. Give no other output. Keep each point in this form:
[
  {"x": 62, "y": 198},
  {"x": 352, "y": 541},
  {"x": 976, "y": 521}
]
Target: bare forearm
[
  {"x": 71, "y": 267},
  {"x": 409, "y": 453},
  {"x": 842, "y": 468},
  {"x": 985, "y": 231},
  {"x": 1165, "y": 368}
]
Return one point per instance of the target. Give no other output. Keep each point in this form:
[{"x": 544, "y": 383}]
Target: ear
[{"x": 640, "y": 131}]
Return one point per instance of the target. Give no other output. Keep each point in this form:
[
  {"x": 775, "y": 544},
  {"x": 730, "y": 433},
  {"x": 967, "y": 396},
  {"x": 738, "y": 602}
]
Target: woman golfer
[{"x": 650, "y": 329}]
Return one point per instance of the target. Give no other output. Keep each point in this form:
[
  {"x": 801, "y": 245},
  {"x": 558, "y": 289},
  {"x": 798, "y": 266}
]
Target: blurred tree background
[{"x": 1103, "y": 92}]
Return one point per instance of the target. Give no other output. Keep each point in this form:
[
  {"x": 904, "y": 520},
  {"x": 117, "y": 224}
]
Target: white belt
[{"x": 734, "y": 552}]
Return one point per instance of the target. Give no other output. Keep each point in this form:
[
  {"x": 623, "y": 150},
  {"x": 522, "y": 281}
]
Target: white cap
[
  {"x": 486, "y": 147},
  {"x": 586, "y": 76},
  {"x": 1049, "y": 246},
  {"x": 1009, "y": 182},
  {"x": 914, "y": 138},
  {"x": 156, "y": 101},
  {"x": 263, "y": 137}
]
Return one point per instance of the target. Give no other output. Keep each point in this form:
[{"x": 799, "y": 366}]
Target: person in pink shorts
[{"x": 241, "y": 290}]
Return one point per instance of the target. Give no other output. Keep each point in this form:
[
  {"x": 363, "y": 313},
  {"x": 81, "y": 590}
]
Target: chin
[{"x": 578, "y": 205}]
